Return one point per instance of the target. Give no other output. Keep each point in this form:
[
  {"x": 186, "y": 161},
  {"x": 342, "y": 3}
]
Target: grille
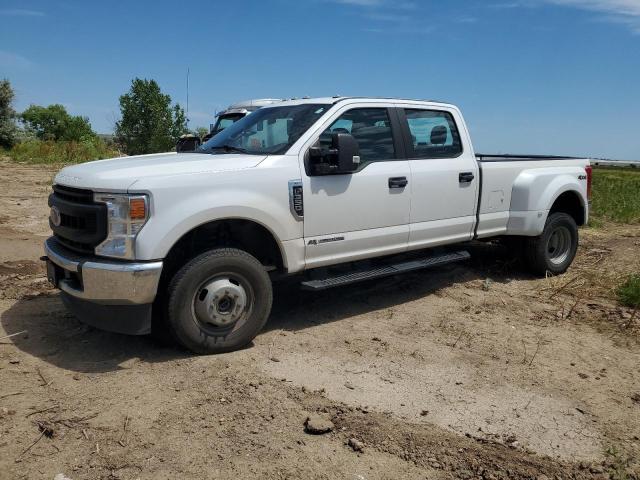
[
  {"x": 83, "y": 223},
  {"x": 75, "y": 195},
  {"x": 78, "y": 223},
  {"x": 75, "y": 246}
]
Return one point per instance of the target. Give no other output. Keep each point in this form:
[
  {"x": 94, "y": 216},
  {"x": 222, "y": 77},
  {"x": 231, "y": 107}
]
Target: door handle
[
  {"x": 466, "y": 177},
  {"x": 398, "y": 182}
]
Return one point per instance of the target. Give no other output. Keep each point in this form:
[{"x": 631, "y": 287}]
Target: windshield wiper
[{"x": 230, "y": 148}]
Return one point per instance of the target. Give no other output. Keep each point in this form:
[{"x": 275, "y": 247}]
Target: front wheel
[
  {"x": 219, "y": 301},
  {"x": 555, "y": 249}
]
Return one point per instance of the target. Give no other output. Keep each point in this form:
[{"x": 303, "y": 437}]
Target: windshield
[
  {"x": 225, "y": 121},
  {"x": 270, "y": 130}
]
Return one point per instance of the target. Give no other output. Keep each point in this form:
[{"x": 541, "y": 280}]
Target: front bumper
[
  {"x": 104, "y": 281},
  {"x": 108, "y": 294}
]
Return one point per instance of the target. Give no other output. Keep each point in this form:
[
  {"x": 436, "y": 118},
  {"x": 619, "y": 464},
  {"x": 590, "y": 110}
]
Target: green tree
[
  {"x": 8, "y": 128},
  {"x": 54, "y": 123},
  {"x": 201, "y": 131},
  {"x": 179, "y": 126},
  {"x": 149, "y": 124}
]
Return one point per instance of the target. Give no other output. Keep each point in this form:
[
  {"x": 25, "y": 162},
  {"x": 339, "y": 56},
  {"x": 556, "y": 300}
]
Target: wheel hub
[
  {"x": 559, "y": 245},
  {"x": 220, "y": 302}
]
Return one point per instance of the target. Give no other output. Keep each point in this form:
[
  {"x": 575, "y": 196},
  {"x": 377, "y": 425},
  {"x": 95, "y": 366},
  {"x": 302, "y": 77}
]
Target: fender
[
  {"x": 534, "y": 193},
  {"x": 160, "y": 233}
]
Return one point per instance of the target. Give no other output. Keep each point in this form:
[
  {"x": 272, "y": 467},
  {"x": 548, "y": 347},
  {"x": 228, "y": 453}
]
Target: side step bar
[{"x": 394, "y": 269}]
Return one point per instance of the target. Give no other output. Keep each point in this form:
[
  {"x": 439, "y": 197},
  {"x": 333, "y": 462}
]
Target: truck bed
[{"x": 513, "y": 188}]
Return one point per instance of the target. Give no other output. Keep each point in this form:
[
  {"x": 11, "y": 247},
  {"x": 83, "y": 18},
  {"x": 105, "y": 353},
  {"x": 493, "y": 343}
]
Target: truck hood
[{"x": 121, "y": 173}]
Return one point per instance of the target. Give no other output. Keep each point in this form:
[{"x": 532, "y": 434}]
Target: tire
[
  {"x": 555, "y": 249},
  {"x": 219, "y": 301},
  {"x": 514, "y": 246}
]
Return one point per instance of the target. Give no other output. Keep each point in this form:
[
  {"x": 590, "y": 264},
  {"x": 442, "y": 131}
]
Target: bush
[
  {"x": 615, "y": 195},
  {"x": 629, "y": 292},
  {"x": 54, "y": 123},
  {"x": 38, "y": 151}
]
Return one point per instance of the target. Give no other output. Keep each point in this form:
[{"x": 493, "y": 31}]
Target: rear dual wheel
[
  {"x": 219, "y": 301},
  {"x": 554, "y": 250}
]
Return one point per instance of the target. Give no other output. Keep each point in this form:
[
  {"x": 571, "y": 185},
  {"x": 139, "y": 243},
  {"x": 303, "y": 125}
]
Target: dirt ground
[{"x": 471, "y": 371}]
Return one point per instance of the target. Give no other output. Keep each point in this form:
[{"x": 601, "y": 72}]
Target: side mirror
[
  {"x": 342, "y": 157},
  {"x": 187, "y": 143},
  {"x": 347, "y": 150}
]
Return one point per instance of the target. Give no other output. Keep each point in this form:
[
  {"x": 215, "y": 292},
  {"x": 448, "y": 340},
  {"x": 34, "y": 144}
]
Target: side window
[
  {"x": 433, "y": 134},
  {"x": 370, "y": 127}
]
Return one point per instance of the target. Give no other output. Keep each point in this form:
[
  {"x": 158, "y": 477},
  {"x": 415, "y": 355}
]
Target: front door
[{"x": 365, "y": 213}]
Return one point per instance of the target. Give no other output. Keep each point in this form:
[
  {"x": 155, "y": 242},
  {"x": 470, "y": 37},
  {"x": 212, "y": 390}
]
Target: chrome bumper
[{"x": 104, "y": 281}]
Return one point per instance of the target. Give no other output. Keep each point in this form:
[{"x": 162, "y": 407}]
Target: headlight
[{"x": 126, "y": 215}]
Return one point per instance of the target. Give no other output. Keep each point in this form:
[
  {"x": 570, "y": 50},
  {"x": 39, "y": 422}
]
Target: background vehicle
[
  {"x": 189, "y": 142},
  {"x": 235, "y": 112},
  {"x": 296, "y": 188}
]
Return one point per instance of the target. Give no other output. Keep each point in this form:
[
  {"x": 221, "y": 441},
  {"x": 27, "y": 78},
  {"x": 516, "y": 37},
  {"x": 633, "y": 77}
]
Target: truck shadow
[
  {"x": 296, "y": 309},
  {"x": 56, "y": 337}
]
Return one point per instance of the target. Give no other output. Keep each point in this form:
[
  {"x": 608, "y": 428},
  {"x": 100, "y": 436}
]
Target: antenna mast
[{"x": 187, "y": 98}]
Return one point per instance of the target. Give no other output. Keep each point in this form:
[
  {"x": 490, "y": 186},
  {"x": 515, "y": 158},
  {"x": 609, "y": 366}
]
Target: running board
[{"x": 394, "y": 269}]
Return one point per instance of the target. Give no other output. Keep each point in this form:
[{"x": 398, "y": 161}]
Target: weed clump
[{"x": 629, "y": 291}]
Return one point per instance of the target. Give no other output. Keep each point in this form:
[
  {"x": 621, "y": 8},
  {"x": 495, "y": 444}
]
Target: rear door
[
  {"x": 365, "y": 213},
  {"x": 444, "y": 176}
]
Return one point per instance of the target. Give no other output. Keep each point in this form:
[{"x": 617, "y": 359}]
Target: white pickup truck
[{"x": 190, "y": 243}]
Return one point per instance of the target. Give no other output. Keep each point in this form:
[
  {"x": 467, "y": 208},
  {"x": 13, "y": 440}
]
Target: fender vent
[{"x": 296, "y": 201}]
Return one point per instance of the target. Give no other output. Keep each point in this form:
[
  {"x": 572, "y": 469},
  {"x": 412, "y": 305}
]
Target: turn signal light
[{"x": 137, "y": 209}]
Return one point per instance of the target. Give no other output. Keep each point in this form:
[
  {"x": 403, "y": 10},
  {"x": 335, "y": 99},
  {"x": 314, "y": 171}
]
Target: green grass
[
  {"x": 619, "y": 465},
  {"x": 49, "y": 152},
  {"x": 629, "y": 291},
  {"x": 616, "y": 196}
]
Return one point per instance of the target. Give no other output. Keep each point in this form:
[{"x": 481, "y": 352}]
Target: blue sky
[{"x": 532, "y": 76}]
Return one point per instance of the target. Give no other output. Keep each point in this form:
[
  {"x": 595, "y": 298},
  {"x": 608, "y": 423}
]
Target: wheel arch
[
  {"x": 246, "y": 234},
  {"x": 570, "y": 202}
]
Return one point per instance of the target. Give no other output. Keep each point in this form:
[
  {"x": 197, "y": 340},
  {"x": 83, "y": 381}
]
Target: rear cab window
[{"x": 432, "y": 134}]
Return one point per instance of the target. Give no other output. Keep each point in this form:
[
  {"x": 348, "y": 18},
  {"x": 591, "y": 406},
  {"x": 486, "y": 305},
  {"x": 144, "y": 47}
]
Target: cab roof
[{"x": 340, "y": 99}]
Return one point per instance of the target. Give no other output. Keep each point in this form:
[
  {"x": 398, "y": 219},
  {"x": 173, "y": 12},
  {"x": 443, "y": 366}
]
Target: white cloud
[
  {"x": 510, "y": 4},
  {"x": 14, "y": 60},
  {"x": 20, "y": 12},
  {"x": 615, "y": 7},
  {"x": 361, "y": 3},
  {"x": 387, "y": 11},
  {"x": 395, "y": 5},
  {"x": 625, "y": 12}
]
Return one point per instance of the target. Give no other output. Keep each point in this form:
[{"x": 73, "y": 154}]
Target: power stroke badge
[{"x": 325, "y": 240}]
